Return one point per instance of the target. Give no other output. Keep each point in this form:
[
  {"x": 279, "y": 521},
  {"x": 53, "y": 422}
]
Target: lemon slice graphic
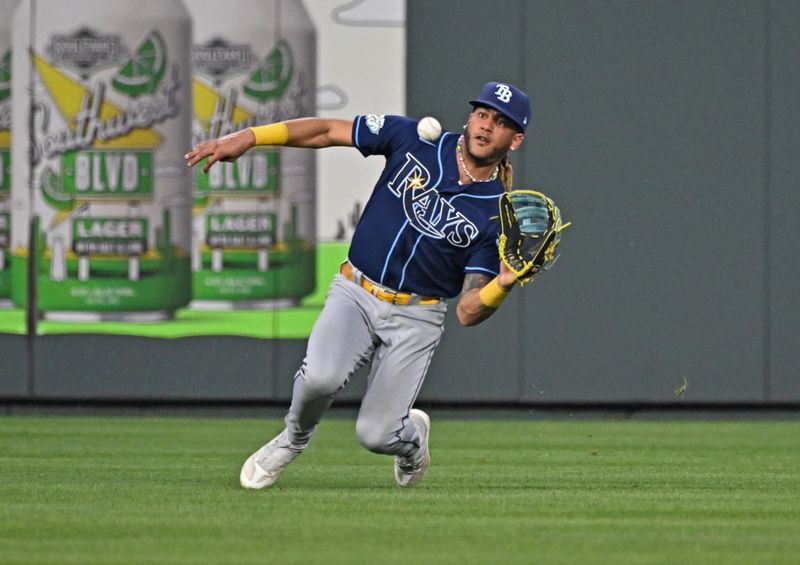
[
  {"x": 5, "y": 75},
  {"x": 145, "y": 69},
  {"x": 53, "y": 191},
  {"x": 272, "y": 76}
]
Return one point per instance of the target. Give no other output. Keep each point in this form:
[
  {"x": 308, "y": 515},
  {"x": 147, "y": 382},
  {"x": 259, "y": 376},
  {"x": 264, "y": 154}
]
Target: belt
[{"x": 383, "y": 293}]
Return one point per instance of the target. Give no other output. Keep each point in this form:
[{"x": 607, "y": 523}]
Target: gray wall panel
[
  {"x": 784, "y": 250},
  {"x": 14, "y": 373},
  {"x": 649, "y": 130},
  {"x": 124, "y": 367},
  {"x": 650, "y": 133}
]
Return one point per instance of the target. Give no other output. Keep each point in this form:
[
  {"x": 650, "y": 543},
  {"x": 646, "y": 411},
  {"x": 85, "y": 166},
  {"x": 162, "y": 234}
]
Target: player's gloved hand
[{"x": 530, "y": 231}]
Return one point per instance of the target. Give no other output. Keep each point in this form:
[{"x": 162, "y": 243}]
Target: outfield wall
[{"x": 666, "y": 131}]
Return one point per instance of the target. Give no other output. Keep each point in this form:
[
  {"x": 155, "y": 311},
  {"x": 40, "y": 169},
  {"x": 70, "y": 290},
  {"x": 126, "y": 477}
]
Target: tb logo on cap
[{"x": 503, "y": 93}]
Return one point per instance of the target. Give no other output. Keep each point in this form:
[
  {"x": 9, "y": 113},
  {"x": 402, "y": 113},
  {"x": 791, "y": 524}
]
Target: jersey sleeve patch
[{"x": 375, "y": 122}]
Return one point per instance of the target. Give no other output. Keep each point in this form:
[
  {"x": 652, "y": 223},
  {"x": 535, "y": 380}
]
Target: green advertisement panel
[{"x": 293, "y": 322}]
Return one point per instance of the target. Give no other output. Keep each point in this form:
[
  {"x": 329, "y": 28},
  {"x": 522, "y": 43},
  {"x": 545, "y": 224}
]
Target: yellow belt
[{"x": 391, "y": 296}]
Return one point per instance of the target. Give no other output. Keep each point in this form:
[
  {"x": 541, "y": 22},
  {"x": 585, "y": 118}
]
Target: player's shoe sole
[
  {"x": 408, "y": 472},
  {"x": 263, "y": 467}
]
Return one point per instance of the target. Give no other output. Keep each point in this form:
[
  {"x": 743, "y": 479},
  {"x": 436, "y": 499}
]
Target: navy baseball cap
[{"x": 508, "y": 99}]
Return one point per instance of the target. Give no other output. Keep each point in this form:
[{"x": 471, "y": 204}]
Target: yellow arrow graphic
[
  {"x": 206, "y": 102},
  {"x": 68, "y": 96}
]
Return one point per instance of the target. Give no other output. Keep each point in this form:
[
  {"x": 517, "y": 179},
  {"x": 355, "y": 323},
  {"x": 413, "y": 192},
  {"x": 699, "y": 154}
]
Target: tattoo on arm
[
  {"x": 473, "y": 311},
  {"x": 474, "y": 281}
]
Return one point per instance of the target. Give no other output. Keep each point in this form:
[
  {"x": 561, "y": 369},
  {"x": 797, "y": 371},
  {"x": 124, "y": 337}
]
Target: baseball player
[{"x": 428, "y": 233}]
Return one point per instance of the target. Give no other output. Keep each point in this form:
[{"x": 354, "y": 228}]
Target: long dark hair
[{"x": 506, "y": 173}]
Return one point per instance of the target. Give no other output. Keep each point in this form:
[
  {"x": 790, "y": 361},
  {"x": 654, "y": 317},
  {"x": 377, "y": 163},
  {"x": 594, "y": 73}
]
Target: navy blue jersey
[{"x": 420, "y": 230}]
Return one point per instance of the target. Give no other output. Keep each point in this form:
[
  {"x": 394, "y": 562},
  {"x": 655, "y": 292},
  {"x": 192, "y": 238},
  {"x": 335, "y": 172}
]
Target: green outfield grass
[{"x": 165, "y": 490}]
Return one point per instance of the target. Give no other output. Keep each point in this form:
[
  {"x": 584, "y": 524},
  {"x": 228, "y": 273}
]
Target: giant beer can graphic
[
  {"x": 6, "y": 9},
  {"x": 104, "y": 201},
  {"x": 254, "y": 219}
]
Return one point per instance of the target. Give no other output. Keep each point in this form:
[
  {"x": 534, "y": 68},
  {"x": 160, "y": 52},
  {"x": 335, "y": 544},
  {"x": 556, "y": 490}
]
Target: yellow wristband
[
  {"x": 271, "y": 134},
  {"x": 492, "y": 295}
]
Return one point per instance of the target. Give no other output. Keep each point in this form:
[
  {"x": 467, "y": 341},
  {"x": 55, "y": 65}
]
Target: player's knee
[
  {"x": 374, "y": 438},
  {"x": 320, "y": 380}
]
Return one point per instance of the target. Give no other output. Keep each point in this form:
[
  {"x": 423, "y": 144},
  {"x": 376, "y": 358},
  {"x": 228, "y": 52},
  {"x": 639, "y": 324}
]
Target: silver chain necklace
[{"x": 460, "y": 154}]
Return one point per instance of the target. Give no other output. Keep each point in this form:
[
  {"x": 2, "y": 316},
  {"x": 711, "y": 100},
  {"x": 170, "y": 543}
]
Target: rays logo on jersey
[
  {"x": 412, "y": 169},
  {"x": 426, "y": 210},
  {"x": 375, "y": 122}
]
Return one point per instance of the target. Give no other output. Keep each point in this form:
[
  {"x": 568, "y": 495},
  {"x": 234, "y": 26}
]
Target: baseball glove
[{"x": 530, "y": 231}]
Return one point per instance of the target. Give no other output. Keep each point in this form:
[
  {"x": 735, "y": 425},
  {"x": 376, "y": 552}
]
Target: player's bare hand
[{"x": 227, "y": 148}]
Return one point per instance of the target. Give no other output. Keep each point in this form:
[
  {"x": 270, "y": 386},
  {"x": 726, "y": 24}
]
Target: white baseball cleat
[
  {"x": 262, "y": 468},
  {"x": 408, "y": 471}
]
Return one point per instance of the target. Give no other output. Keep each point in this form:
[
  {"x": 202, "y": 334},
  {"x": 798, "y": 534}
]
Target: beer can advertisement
[
  {"x": 104, "y": 202},
  {"x": 254, "y": 219}
]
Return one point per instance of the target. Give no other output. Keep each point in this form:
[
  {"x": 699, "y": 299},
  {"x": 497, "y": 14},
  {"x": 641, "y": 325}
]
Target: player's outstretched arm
[
  {"x": 302, "y": 132},
  {"x": 319, "y": 132},
  {"x": 481, "y": 295}
]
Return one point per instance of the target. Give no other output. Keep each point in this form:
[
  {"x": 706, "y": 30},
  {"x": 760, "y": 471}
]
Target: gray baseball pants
[{"x": 354, "y": 329}]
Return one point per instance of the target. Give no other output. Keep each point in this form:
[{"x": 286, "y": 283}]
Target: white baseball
[{"x": 429, "y": 128}]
